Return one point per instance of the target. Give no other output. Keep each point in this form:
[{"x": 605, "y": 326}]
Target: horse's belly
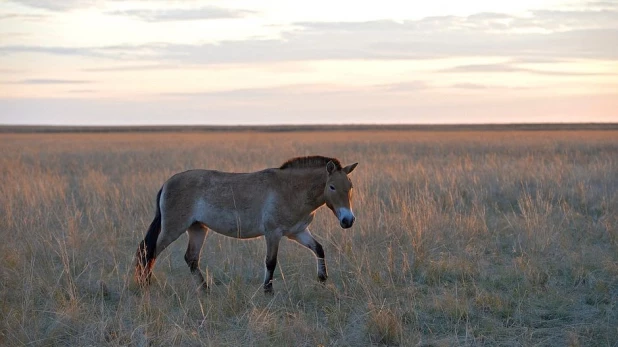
[
  {"x": 239, "y": 233},
  {"x": 229, "y": 224}
]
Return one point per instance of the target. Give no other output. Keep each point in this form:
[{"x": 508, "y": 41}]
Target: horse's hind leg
[
  {"x": 306, "y": 239},
  {"x": 171, "y": 229},
  {"x": 197, "y": 233}
]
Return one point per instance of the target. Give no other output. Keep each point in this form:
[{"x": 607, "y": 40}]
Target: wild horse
[{"x": 274, "y": 202}]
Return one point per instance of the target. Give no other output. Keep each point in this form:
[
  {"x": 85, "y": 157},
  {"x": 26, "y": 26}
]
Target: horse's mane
[{"x": 309, "y": 162}]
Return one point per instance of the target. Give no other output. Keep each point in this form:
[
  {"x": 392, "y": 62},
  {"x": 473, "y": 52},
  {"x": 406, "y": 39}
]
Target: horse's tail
[{"x": 146, "y": 252}]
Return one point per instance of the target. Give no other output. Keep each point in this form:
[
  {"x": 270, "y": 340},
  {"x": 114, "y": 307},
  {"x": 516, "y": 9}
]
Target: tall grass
[{"x": 462, "y": 238}]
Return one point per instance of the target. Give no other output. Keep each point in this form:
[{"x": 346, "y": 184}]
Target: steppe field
[{"x": 467, "y": 238}]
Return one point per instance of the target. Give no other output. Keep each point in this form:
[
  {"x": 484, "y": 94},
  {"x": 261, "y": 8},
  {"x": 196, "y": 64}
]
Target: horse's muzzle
[
  {"x": 347, "y": 222},
  {"x": 345, "y": 216}
]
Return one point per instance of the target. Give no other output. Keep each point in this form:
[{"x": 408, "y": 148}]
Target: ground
[{"x": 471, "y": 237}]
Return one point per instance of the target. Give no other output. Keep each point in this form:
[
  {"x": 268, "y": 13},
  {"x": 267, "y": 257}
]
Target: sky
[{"x": 155, "y": 62}]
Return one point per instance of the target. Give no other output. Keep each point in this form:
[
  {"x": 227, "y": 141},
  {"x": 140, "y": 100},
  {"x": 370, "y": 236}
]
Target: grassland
[{"x": 462, "y": 238}]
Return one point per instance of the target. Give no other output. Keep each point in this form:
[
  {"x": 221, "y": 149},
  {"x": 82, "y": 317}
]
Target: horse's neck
[
  {"x": 311, "y": 182},
  {"x": 315, "y": 193}
]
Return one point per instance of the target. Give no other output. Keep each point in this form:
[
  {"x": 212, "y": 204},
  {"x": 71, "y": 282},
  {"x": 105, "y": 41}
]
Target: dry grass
[{"x": 462, "y": 238}]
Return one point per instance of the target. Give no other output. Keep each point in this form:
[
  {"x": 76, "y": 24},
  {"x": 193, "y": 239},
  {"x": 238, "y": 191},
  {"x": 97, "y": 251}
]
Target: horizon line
[{"x": 33, "y": 128}]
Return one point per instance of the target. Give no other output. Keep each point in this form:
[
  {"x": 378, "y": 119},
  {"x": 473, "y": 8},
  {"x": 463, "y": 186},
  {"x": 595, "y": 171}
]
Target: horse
[{"x": 273, "y": 203}]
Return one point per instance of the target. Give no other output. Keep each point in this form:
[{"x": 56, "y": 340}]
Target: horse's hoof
[
  {"x": 268, "y": 289},
  {"x": 322, "y": 278},
  {"x": 204, "y": 288}
]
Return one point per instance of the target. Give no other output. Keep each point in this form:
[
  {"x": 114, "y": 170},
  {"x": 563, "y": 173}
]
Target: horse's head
[{"x": 338, "y": 193}]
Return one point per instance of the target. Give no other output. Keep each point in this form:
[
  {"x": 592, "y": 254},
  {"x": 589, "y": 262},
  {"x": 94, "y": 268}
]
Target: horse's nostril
[{"x": 347, "y": 222}]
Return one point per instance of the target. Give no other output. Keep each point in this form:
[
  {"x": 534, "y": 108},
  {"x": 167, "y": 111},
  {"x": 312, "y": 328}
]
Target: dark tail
[{"x": 146, "y": 252}]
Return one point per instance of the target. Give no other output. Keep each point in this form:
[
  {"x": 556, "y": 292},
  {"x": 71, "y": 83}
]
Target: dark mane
[{"x": 309, "y": 162}]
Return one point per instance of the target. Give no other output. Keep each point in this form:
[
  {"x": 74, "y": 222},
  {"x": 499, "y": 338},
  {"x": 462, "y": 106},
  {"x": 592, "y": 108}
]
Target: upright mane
[{"x": 309, "y": 162}]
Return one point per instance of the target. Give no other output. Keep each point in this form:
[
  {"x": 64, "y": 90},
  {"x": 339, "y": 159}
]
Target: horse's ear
[
  {"x": 349, "y": 168},
  {"x": 330, "y": 167}
]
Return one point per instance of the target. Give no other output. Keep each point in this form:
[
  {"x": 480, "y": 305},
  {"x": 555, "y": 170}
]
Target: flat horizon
[{"x": 596, "y": 126}]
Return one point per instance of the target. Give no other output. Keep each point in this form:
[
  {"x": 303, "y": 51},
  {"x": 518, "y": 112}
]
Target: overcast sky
[{"x": 102, "y": 62}]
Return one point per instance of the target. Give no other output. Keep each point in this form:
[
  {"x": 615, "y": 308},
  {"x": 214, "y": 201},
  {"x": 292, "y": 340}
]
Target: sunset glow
[{"x": 106, "y": 62}]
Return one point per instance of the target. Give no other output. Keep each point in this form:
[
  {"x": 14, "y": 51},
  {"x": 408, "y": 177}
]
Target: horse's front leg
[
  {"x": 272, "y": 247},
  {"x": 306, "y": 239}
]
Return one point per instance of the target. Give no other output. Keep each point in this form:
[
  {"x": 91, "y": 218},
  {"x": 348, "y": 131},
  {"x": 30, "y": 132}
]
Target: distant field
[
  {"x": 471, "y": 237},
  {"x": 303, "y": 128}
]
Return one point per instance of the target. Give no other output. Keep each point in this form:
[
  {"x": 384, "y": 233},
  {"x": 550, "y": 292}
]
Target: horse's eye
[{"x": 332, "y": 187}]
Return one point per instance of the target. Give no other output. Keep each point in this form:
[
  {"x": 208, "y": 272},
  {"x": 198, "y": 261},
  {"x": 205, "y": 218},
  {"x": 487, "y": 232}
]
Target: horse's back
[{"x": 228, "y": 203}]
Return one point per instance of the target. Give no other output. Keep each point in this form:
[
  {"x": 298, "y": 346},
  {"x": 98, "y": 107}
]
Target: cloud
[
  {"x": 81, "y": 91},
  {"x": 168, "y": 15},
  {"x": 489, "y": 16},
  {"x": 506, "y": 68},
  {"x": 603, "y": 4},
  {"x": 10, "y": 71},
  {"x": 140, "y": 67},
  {"x": 242, "y": 93},
  {"x": 410, "y": 86},
  {"x": 483, "y": 68},
  {"x": 477, "y": 86},
  {"x": 537, "y": 60},
  {"x": 46, "y": 49},
  {"x": 13, "y": 35},
  {"x": 23, "y": 17},
  {"x": 148, "y": 15},
  {"x": 50, "y": 81},
  {"x": 550, "y": 35},
  {"x": 469, "y": 86},
  {"x": 282, "y": 91},
  {"x": 56, "y": 5},
  {"x": 566, "y": 20},
  {"x": 116, "y": 52}
]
